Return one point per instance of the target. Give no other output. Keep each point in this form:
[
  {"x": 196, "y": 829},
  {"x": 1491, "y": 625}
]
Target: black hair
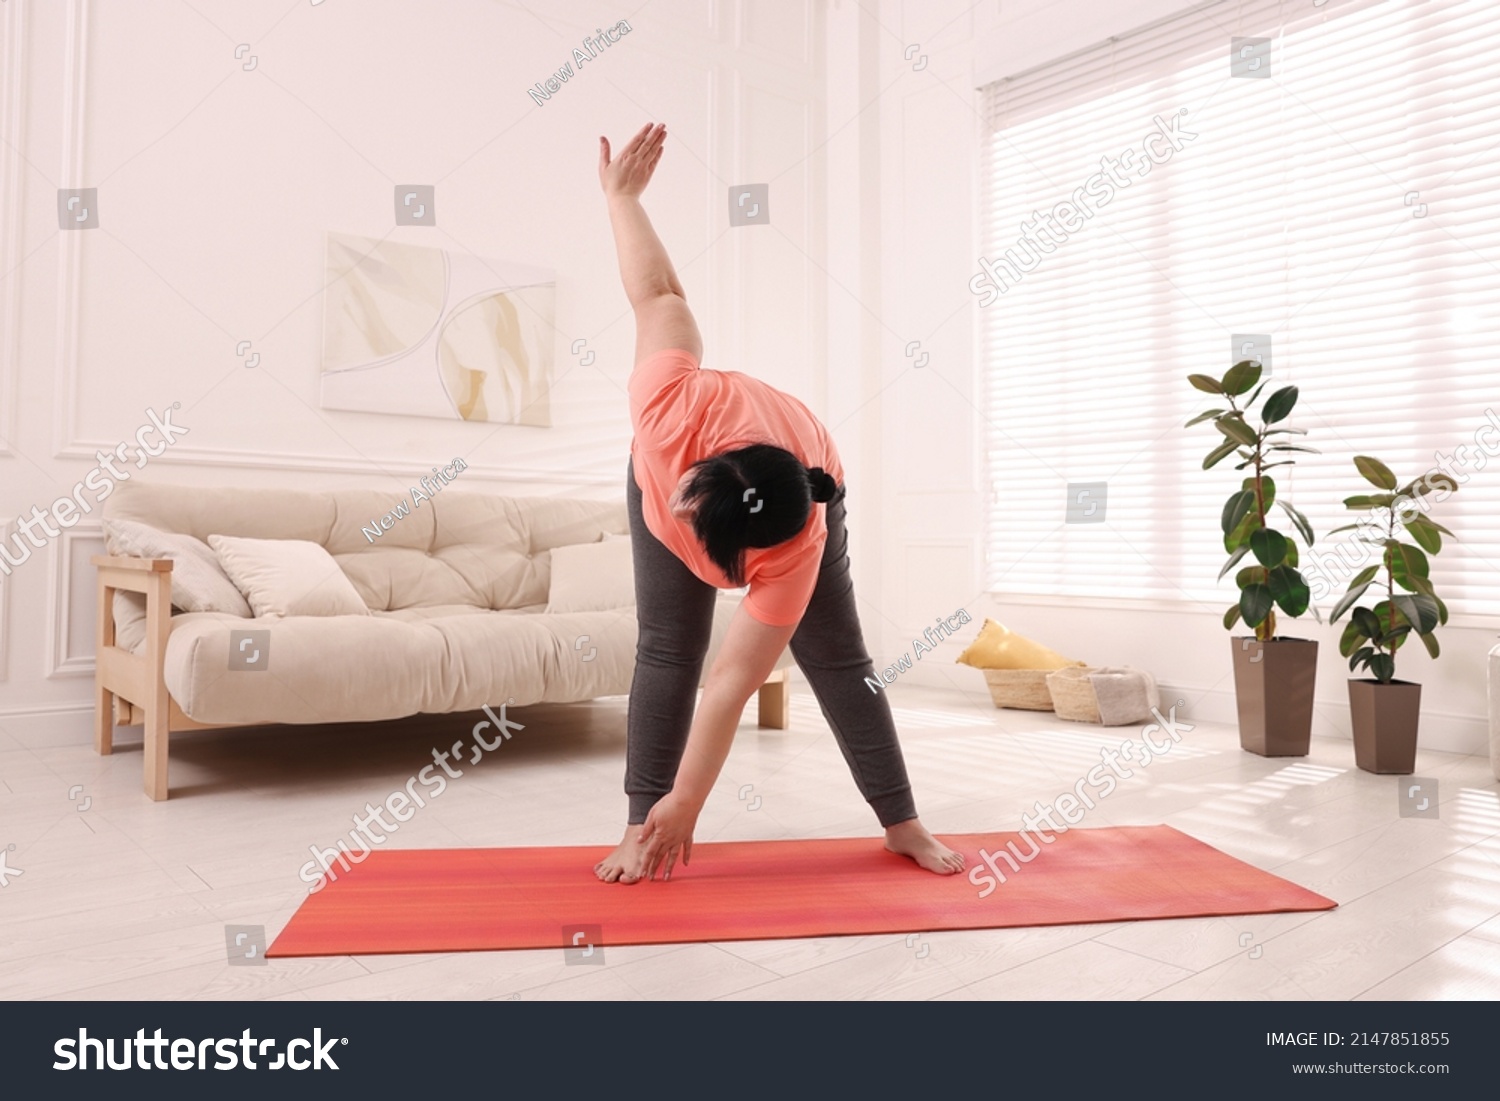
[{"x": 756, "y": 496}]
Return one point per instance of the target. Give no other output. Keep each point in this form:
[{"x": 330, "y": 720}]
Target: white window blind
[{"x": 1345, "y": 206}]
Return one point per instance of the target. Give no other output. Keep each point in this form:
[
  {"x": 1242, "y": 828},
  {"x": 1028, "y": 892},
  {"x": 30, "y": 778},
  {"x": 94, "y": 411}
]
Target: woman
[{"x": 731, "y": 482}]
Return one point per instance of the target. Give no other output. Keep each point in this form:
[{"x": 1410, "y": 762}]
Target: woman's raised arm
[{"x": 662, "y": 317}]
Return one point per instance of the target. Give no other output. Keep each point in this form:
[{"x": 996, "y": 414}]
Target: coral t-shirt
[{"x": 683, "y": 414}]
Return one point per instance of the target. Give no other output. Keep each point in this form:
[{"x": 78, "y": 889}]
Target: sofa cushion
[
  {"x": 287, "y": 577},
  {"x": 591, "y": 577},
  {"x": 998, "y": 647},
  {"x": 418, "y": 660},
  {"x": 458, "y": 548},
  {"x": 199, "y": 583}
]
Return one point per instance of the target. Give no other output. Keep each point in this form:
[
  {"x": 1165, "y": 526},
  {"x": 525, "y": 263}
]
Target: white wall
[
  {"x": 216, "y": 185},
  {"x": 921, "y": 504}
]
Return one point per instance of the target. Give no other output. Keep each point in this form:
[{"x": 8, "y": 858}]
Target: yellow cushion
[{"x": 998, "y": 647}]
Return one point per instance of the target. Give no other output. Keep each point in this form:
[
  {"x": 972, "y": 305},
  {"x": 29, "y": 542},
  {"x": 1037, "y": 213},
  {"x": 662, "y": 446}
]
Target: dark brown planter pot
[
  {"x": 1273, "y": 689},
  {"x": 1385, "y": 725}
]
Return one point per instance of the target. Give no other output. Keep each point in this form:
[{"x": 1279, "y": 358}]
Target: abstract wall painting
[{"x": 420, "y": 331}]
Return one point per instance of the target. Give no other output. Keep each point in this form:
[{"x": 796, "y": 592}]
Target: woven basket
[
  {"x": 1073, "y": 695},
  {"x": 1024, "y": 689}
]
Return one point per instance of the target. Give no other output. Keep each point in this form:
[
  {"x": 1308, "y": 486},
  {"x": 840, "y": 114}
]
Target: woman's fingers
[
  {"x": 659, "y": 144},
  {"x": 633, "y": 166},
  {"x": 663, "y": 858},
  {"x": 635, "y": 142},
  {"x": 639, "y": 154},
  {"x": 648, "y": 148},
  {"x": 649, "y": 157}
]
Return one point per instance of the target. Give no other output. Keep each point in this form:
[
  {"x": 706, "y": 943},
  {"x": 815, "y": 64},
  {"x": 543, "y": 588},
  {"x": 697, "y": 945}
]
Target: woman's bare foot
[
  {"x": 624, "y": 865},
  {"x": 910, "y": 838}
]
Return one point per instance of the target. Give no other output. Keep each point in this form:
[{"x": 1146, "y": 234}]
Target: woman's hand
[
  {"x": 667, "y": 831},
  {"x": 628, "y": 174}
]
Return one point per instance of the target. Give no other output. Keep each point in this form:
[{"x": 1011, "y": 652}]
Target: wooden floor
[{"x": 129, "y": 899}]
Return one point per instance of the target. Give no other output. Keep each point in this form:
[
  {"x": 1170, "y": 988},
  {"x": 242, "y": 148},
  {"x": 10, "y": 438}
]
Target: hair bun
[{"x": 823, "y": 485}]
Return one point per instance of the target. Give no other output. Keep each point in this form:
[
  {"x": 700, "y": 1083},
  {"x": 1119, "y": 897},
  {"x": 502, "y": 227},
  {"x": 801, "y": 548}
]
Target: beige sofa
[{"x": 457, "y": 592}]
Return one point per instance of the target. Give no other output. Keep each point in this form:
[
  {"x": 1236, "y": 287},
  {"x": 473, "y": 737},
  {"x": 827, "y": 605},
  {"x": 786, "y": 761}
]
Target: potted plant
[
  {"x": 1385, "y": 711},
  {"x": 1273, "y": 675}
]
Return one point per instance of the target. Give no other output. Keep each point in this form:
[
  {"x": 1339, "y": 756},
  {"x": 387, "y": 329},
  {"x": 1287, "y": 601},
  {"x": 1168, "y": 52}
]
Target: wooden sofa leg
[
  {"x": 157, "y": 704},
  {"x": 104, "y": 699},
  {"x": 157, "y": 735},
  {"x": 774, "y": 702},
  {"x": 104, "y": 721}
]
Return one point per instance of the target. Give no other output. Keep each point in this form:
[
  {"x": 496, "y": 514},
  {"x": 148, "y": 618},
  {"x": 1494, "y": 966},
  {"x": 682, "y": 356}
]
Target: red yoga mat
[{"x": 456, "y": 900}]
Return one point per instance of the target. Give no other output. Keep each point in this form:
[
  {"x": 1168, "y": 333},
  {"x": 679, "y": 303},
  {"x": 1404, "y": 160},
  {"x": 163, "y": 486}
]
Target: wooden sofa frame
[{"x": 130, "y": 689}]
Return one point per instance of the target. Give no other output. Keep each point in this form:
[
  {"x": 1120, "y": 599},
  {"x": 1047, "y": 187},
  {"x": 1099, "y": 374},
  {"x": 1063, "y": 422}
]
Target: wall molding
[
  {"x": 12, "y": 202},
  {"x": 738, "y": 93},
  {"x": 322, "y": 464},
  {"x": 40, "y": 710},
  {"x": 70, "y": 245},
  {"x": 775, "y": 53},
  {"x": 7, "y": 529},
  {"x": 60, "y": 659}
]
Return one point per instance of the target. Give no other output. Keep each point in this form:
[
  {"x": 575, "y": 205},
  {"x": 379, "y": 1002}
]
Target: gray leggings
[{"x": 675, "y": 611}]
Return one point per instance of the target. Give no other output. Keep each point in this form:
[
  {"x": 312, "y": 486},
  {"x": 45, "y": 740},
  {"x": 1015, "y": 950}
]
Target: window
[{"x": 1344, "y": 206}]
